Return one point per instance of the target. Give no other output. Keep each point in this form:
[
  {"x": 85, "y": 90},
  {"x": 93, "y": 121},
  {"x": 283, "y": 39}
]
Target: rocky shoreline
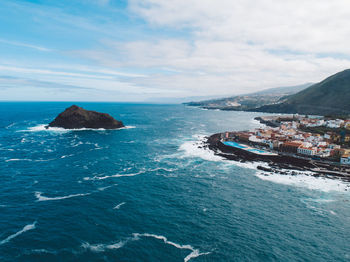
[{"x": 279, "y": 164}]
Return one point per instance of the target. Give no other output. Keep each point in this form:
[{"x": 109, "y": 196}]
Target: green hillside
[
  {"x": 329, "y": 97},
  {"x": 250, "y": 101}
]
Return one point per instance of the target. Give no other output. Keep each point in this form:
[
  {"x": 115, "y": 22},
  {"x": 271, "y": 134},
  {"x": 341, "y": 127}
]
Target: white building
[
  {"x": 336, "y": 123},
  {"x": 309, "y": 151}
]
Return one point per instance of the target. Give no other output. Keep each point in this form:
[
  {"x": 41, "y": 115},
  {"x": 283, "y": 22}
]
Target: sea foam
[
  {"x": 303, "y": 179},
  {"x": 102, "y": 247},
  {"x": 43, "y": 127},
  {"x": 119, "y": 205},
  {"x": 18, "y": 159},
  {"x": 196, "y": 149},
  {"x": 24, "y": 229},
  {"x": 137, "y": 236},
  {"x": 111, "y": 176},
  {"x": 306, "y": 180},
  {"x": 44, "y": 198},
  {"x": 194, "y": 252}
]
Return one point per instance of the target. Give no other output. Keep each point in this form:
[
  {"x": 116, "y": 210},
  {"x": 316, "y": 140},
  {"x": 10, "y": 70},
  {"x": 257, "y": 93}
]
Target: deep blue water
[{"x": 149, "y": 193}]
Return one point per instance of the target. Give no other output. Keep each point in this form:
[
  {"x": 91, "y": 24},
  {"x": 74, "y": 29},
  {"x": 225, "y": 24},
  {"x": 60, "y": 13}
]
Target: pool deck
[{"x": 249, "y": 149}]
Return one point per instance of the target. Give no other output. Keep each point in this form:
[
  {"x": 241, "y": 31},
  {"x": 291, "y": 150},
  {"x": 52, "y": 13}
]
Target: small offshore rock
[{"x": 76, "y": 117}]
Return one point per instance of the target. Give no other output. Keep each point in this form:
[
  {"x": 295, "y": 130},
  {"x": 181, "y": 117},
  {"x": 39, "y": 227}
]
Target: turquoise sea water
[{"x": 150, "y": 193}]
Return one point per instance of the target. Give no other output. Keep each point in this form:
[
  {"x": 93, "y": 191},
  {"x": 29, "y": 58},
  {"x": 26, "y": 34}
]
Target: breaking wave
[
  {"x": 137, "y": 236},
  {"x": 27, "y": 159},
  {"x": 111, "y": 176},
  {"x": 127, "y": 127},
  {"x": 44, "y": 198},
  {"x": 18, "y": 159},
  {"x": 303, "y": 179},
  {"x": 306, "y": 180},
  {"x": 194, "y": 252},
  {"x": 196, "y": 149},
  {"x": 43, "y": 127},
  {"x": 106, "y": 187},
  {"x": 119, "y": 205},
  {"x": 24, "y": 229},
  {"x": 131, "y": 174},
  {"x": 102, "y": 247},
  {"x": 10, "y": 125}
]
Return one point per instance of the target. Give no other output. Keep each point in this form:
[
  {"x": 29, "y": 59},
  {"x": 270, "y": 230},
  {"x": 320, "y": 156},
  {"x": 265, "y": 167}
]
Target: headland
[{"x": 292, "y": 142}]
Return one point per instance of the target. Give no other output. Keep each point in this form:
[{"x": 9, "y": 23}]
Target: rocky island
[{"x": 76, "y": 117}]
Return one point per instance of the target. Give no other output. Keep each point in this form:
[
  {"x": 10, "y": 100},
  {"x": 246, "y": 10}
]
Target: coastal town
[{"x": 324, "y": 139}]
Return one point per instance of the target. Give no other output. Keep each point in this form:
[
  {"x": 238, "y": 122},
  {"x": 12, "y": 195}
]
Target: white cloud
[
  {"x": 307, "y": 26},
  {"x": 214, "y": 67},
  {"x": 234, "y": 46},
  {"x": 197, "y": 47}
]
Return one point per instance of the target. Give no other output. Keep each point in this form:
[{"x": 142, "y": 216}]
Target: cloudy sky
[{"x": 145, "y": 50}]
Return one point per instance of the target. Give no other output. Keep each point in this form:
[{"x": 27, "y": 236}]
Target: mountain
[
  {"x": 328, "y": 97},
  {"x": 250, "y": 101}
]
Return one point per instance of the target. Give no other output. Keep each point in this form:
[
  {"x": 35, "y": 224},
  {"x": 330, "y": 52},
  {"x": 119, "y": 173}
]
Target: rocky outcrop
[{"x": 76, "y": 117}]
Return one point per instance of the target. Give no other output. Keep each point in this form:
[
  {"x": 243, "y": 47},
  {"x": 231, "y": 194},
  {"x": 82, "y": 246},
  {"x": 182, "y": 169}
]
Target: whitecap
[
  {"x": 119, "y": 205},
  {"x": 106, "y": 187},
  {"x": 102, "y": 247},
  {"x": 44, "y": 198},
  {"x": 64, "y": 156},
  {"x": 163, "y": 168},
  {"x": 18, "y": 159},
  {"x": 43, "y": 160},
  {"x": 24, "y": 229},
  {"x": 27, "y": 159},
  {"x": 111, "y": 176},
  {"x": 10, "y": 125},
  {"x": 42, "y": 250},
  {"x": 135, "y": 237},
  {"x": 77, "y": 144},
  {"x": 195, "y": 252},
  {"x": 7, "y": 149}
]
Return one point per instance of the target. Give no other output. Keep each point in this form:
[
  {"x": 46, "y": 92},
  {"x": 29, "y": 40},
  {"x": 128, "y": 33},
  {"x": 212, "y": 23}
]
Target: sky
[{"x": 157, "y": 50}]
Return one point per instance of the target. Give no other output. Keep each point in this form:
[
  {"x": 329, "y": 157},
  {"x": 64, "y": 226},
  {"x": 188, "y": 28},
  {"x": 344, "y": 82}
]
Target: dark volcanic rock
[{"x": 76, "y": 117}]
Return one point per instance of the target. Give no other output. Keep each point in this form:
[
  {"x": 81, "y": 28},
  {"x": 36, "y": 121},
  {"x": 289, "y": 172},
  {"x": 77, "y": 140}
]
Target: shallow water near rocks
[{"x": 149, "y": 193}]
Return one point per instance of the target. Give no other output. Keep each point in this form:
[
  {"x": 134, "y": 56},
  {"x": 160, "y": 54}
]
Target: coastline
[{"x": 279, "y": 164}]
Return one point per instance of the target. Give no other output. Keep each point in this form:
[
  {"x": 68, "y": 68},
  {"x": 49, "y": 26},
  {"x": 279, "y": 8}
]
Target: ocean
[{"x": 151, "y": 192}]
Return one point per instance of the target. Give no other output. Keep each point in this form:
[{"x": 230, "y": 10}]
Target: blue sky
[{"x": 153, "y": 50}]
